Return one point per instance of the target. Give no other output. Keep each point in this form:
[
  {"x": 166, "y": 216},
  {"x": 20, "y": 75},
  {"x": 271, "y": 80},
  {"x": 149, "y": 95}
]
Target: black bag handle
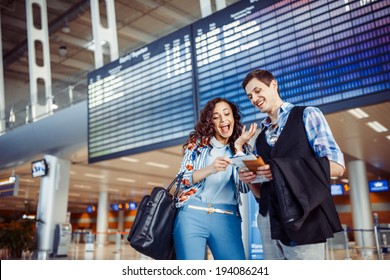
[{"x": 177, "y": 179}]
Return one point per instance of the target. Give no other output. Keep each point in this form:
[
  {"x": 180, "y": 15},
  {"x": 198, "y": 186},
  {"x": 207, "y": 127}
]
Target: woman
[{"x": 208, "y": 211}]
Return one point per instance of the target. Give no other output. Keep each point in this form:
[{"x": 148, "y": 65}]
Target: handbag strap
[{"x": 177, "y": 179}]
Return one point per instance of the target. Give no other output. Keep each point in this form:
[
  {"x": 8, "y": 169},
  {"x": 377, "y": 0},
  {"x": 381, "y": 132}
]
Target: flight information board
[
  {"x": 142, "y": 99},
  {"x": 319, "y": 51}
]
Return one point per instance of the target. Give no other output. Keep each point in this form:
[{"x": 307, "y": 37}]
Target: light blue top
[
  {"x": 197, "y": 157},
  {"x": 218, "y": 187}
]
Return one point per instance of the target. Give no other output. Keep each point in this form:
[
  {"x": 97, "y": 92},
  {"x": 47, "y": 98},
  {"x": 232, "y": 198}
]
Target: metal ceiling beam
[
  {"x": 134, "y": 33},
  {"x": 54, "y": 26},
  {"x": 74, "y": 63},
  {"x": 74, "y": 41},
  {"x": 13, "y": 21},
  {"x": 163, "y": 10}
]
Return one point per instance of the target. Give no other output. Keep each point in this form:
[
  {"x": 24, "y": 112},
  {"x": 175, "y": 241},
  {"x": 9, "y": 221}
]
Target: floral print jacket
[{"x": 194, "y": 159}]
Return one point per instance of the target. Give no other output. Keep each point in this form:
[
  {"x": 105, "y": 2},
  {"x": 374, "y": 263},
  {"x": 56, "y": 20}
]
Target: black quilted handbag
[{"x": 151, "y": 232}]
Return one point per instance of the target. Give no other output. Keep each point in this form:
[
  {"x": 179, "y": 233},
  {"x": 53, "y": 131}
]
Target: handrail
[
  {"x": 381, "y": 247},
  {"x": 19, "y": 113}
]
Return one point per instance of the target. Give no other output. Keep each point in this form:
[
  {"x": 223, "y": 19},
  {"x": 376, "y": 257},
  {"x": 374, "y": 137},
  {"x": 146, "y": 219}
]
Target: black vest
[{"x": 292, "y": 143}]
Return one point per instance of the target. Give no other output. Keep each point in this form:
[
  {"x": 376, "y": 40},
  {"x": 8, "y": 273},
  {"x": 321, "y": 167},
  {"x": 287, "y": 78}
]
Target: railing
[
  {"x": 373, "y": 244},
  {"x": 20, "y": 113},
  {"x": 84, "y": 246},
  {"x": 382, "y": 235}
]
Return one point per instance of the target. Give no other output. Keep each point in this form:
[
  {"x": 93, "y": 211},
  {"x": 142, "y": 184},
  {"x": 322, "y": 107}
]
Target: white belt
[{"x": 211, "y": 210}]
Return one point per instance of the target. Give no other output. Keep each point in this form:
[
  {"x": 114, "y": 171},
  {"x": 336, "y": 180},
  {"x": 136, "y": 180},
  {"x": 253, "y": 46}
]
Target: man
[{"x": 290, "y": 137}]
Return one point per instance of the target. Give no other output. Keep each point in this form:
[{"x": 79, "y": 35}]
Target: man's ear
[{"x": 274, "y": 85}]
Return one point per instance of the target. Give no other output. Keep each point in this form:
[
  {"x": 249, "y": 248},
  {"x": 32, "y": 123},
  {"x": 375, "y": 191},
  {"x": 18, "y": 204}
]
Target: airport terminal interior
[{"x": 105, "y": 122}]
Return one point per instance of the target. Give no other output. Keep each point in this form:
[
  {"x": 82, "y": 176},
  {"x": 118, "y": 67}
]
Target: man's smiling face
[{"x": 262, "y": 96}]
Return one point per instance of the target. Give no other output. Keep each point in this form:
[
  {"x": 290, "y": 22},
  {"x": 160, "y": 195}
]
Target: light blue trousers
[{"x": 194, "y": 229}]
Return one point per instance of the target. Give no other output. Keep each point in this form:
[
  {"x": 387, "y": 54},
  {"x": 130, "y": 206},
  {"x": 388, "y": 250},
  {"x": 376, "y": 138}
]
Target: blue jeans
[{"x": 194, "y": 229}]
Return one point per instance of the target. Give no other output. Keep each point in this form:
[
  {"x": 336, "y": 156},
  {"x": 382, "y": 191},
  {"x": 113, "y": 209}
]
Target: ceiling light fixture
[
  {"x": 358, "y": 113},
  {"x": 129, "y": 159},
  {"x": 74, "y": 194},
  {"x": 154, "y": 184},
  {"x": 377, "y": 126},
  {"x": 155, "y": 164},
  {"x": 26, "y": 180},
  {"x": 66, "y": 28},
  {"x": 125, "y": 180},
  {"x": 63, "y": 50},
  {"x": 94, "y": 175},
  {"x": 82, "y": 186},
  {"x": 388, "y": 137}
]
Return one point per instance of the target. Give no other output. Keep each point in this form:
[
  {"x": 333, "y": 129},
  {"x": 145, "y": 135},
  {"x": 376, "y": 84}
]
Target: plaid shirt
[{"x": 317, "y": 130}]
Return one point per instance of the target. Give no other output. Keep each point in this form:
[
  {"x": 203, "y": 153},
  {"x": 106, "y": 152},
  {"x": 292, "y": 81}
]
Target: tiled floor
[
  {"x": 123, "y": 251},
  {"x": 84, "y": 247}
]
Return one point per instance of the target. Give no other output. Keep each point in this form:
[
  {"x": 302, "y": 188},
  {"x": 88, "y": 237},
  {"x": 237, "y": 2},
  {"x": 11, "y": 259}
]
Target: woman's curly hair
[{"x": 204, "y": 131}]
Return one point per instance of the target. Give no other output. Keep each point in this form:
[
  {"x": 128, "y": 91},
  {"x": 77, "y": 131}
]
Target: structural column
[
  {"x": 244, "y": 211},
  {"x": 121, "y": 219},
  {"x": 102, "y": 34},
  {"x": 205, "y": 8},
  {"x": 109, "y": 36},
  {"x": 221, "y": 4},
  {"x": 102, "y": 219},
  {"x": 360, "y": 204},
  {"x": 2, "y": 92},
  {"x": 52, "y": 203},
  {"x": 36, "y": 34}
]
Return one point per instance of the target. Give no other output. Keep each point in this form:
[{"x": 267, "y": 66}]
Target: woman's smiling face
[{"x": 223, "y": 122}]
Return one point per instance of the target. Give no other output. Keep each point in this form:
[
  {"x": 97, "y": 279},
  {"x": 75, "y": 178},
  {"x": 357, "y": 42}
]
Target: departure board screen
[
  {"x": 332, "y": 54},
  {"x": 144, "y": 98},
  {"x": 319, "y": 51}
]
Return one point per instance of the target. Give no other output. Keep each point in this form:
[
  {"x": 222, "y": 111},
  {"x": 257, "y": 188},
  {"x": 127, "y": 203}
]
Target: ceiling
[{"x": 139, "y": 22}]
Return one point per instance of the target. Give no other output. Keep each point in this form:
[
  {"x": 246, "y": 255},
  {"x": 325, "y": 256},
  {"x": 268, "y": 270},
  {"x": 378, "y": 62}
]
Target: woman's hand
[
  {"x": 245, "y": 137},
  {"x": 219, "y": 164}
]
